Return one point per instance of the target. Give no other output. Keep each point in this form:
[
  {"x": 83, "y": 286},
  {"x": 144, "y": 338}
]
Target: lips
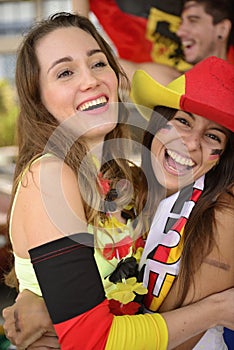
[
  {"x": 176, "y": 163},
  {"x": 189, "y": 49},
  {"x": 187, "y": 44},
  {"x": 93, "y": 104}
]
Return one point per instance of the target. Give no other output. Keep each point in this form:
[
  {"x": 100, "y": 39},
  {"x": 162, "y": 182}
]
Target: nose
[
  {"x": 87, "y": 79},
  {"x": 181, "y": 31},
  {"x": 192, "y": 141}
]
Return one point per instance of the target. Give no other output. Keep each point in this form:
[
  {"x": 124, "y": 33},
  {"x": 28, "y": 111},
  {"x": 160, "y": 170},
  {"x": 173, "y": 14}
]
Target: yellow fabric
[
  {"x": 117, "y": 231},
  {"x": 138, "y": 332},
  {"x": 147, "y": 93},
  {"x": 164, "y": 48},
  {"x": 27, "y": 278},
  {"x": 26, "y": 275}
]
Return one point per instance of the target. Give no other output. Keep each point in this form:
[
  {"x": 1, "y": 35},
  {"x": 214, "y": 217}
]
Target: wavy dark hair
[{"x": 199, "y": 230}]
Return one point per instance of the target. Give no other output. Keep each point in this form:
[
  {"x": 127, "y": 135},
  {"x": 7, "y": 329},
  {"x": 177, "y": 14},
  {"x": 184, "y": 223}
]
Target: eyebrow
[
  {"x": 70, "y": 59},
  {"x": 189, "y": 6},
  {"x": 224, "y": 131},
  {"x": 193, "y": 17},
  {"x": 189, "y": 113}
]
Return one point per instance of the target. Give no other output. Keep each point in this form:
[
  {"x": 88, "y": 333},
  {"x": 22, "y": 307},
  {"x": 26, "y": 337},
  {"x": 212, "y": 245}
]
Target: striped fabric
[{"x": 161, "y": 257}]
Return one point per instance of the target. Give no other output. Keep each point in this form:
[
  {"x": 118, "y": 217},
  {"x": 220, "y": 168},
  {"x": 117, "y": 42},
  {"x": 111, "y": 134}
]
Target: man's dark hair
[{"x": 219, "y": 10}]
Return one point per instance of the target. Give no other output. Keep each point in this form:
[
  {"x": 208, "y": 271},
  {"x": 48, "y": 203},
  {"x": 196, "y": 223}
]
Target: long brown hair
[
  {"x": 199, "y": 230},
  {"x": 36, "y": 125}
]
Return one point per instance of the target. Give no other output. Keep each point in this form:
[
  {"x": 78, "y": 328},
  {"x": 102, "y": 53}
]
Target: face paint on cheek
[
  {"x": 165, "y": 129},
  {"x": 215, "y": 154}
]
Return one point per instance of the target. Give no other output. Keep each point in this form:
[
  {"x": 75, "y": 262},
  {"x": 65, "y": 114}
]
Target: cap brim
[{"x": 146, "y": 93}]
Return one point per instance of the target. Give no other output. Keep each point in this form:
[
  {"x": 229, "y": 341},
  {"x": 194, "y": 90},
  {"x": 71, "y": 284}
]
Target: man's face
[{"x": 198, "y": 34}]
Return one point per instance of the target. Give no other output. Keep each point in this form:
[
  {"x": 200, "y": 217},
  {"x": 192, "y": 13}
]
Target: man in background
[
  {"x": 206, "y": 29},
  {"x": 148, "y": 34}
]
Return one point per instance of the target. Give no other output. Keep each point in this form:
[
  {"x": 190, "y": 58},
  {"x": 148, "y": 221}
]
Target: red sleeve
[
  {"x": 90, "y": 329},
  {"x": 72, "y": 289}
]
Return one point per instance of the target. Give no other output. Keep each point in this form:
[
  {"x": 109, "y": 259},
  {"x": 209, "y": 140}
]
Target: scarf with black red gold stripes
[{"x": 161, "y": 257}]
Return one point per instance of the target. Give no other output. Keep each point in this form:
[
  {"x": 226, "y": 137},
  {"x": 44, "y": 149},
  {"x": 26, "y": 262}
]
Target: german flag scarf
[{"x": 161, "y": 257}]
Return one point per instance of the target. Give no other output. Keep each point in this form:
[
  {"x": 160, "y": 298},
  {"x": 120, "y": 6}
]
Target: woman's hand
[
  {"x": 27, "y": 323},
  {"x": 47, "y": 342},
  {"x": 225, "y": 302}
]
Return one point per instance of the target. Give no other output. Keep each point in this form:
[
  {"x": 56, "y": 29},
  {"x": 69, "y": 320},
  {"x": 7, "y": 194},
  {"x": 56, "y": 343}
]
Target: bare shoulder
[
  {"x": 49, "y": 203},
  {"x": 48, "y": 174}
]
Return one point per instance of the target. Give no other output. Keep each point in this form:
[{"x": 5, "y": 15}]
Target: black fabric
[
  {"x": 68, "y": 274},
  {"x": 141, "y": 7}
]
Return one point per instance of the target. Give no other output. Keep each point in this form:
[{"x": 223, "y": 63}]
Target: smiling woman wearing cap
[
  {"x": 65, "y": 266},
  {"x": 188, "y": 160}
]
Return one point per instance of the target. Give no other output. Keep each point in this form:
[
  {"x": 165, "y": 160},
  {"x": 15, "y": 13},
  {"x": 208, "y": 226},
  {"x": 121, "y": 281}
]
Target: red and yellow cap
[{"x": 206, "y": 90}]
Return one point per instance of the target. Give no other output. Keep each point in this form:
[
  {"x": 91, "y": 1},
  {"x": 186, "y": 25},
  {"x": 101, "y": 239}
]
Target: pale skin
[{"x": 69, "y": 78}]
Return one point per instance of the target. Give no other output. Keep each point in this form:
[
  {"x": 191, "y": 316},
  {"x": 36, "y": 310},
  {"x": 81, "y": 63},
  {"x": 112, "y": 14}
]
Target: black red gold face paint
[{"x": 215, "y": 154}]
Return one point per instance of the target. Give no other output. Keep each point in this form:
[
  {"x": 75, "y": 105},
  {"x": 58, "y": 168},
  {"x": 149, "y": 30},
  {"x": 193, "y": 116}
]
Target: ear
[{"x": 224, "y": 29}]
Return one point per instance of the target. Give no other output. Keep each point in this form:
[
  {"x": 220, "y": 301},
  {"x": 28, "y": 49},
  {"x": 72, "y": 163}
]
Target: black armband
[{"x": 68, "y": 276}]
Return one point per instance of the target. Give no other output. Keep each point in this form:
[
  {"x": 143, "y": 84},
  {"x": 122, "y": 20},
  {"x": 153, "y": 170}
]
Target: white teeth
[
  {"x": 89, "y": 104},
  {"x": 179, "y": 159},
  {"x": 187, "y": 43}
]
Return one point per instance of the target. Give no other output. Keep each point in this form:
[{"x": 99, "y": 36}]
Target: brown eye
[
  {"x": 213, "y": 137},
  {"x": 182, "y": 121}
]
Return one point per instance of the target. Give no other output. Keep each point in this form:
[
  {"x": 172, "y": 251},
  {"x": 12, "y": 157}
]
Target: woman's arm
[
  {"x": 69, "y": 278},
  {"x": 216, "y": 272},
  {"x": 188, "y": 321},
  {"x": 28, "y": 319}
]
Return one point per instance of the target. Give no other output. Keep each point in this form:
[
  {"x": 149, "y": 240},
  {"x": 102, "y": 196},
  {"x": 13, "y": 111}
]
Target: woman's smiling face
[
  {"x": 187, "y": 148},
  {"x": 76, "y": 79}
]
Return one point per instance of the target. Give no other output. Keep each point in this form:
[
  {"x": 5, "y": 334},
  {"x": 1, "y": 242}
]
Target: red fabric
[
  {"x": 126, "y": 31},
  {"x": 201, "y": 94},
  {"x": 120, "y": 250},
  {"x": 230, "y": 56},
  {"x": 120, "y": 309},
  {"x": 91, "y": 328}
]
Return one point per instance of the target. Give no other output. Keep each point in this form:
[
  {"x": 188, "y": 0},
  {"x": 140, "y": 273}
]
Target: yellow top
[
  {"x": 140, "y": 332},
  {"x": 106, "y": 265}
]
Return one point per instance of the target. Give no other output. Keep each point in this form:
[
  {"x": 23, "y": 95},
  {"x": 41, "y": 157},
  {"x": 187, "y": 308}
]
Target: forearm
[
  {"x": 189, "y": 321},
  {"x": 69, "y": 279},
  {"x": 27, "y": 320},
  {"x": 75, "y": 298}
]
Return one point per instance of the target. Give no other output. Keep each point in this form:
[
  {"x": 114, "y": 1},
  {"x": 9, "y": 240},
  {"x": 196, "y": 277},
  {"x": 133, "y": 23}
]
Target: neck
[{"x": 221, "y": 51}]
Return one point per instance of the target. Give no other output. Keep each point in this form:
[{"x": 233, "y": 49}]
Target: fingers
[
  {"x": 46, "y": 342},
  {"x": 9, "y": 324},
  {"x": 13, "y": 330}
]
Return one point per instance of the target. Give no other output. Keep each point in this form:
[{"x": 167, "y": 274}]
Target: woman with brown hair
[
  {"x": 188, "y": 159},
  {"x": 67, "y": 186}
]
